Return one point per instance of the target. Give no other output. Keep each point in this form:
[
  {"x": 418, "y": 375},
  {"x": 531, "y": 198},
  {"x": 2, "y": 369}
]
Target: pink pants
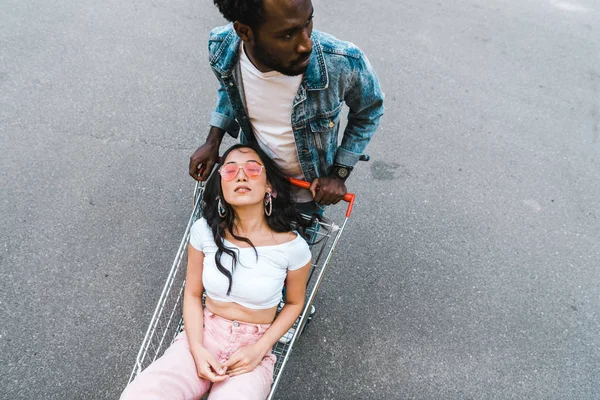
[{"x": 174, "y": 375}]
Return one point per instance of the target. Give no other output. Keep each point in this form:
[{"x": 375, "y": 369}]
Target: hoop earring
[
  {"x": 268, "y": 204},
  {"x": 221, "y": 209}
]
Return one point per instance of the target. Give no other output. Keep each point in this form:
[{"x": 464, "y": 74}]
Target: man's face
[{"x": 282, "y": 42}]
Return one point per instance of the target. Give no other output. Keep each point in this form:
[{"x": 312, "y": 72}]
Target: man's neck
[{"x": 259, "y": 66}]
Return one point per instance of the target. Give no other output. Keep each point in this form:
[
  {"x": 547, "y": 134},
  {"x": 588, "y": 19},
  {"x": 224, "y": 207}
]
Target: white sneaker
[{"x": 287, "y": 337}]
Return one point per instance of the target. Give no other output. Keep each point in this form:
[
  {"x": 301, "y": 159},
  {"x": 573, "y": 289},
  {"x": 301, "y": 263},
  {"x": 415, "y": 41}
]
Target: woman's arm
[
  {"x": 295, "y": 292},
  {"x": 193, "y": 318},
  {"x": 248, "y": 357}
]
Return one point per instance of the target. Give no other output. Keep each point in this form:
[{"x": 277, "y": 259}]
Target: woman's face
[{"x": 244, "y": 189}]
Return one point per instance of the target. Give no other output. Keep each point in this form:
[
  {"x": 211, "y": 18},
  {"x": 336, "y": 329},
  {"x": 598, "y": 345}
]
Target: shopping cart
[{"x": 167, "y": 320}]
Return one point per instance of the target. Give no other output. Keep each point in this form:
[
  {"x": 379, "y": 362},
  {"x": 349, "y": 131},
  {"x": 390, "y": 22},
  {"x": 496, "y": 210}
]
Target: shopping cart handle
[{"x": 348, "y": 197}]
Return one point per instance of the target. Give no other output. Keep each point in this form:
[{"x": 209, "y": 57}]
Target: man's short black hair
[{"x": 249, "y": 12}]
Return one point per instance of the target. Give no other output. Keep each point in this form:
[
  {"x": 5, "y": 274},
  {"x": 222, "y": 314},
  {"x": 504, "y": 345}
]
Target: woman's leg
[
  {"x": 172, "y": 376},
  {"x": 253, "y": 385}
]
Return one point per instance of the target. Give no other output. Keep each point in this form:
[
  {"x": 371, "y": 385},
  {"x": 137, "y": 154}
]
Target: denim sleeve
[
  {"x": 222, "y": 117},
  {"x": 365, "y": 100}
]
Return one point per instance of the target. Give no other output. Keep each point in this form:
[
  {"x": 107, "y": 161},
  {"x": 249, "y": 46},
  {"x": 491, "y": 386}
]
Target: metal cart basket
[{"x": 167, "y": 320}]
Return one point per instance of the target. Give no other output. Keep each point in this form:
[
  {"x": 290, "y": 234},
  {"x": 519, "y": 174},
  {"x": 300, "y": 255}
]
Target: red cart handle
[{"x": 348, "y": 197}]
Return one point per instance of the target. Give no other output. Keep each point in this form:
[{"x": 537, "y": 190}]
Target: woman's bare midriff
[{"x": 236, "y": 312}]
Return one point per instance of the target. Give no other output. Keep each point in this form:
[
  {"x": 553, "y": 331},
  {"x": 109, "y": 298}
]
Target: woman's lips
[{"x": 242, "y": 189}]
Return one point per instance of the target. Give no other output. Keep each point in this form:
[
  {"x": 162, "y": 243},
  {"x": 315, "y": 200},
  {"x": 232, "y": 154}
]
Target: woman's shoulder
[
  {"x": 289, "y": 239},
  {"x": 285, "y": 237},
  {"x": 200, "y": 224},
  {"x": 297, "y": 251},
  {"x": 201, "y": 234}
]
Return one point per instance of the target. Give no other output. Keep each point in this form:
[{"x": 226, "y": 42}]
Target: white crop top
[{"x": 256, "y": 283}]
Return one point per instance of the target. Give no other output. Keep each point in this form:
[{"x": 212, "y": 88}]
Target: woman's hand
[
  {"x": 245, "y": 359},
  {"x": 207, "y": 366}
]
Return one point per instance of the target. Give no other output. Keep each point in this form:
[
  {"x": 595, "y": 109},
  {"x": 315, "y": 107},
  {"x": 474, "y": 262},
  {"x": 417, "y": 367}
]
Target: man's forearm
[
  {"x": 357, "y": 135},
  {"x": 215, "y": 136},
  {"x": 365, "y": 100}
]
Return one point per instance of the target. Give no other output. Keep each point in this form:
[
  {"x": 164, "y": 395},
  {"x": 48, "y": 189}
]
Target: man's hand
[
  {"x": 328, "y": 190},
  {"x": 204, "y": 158}
]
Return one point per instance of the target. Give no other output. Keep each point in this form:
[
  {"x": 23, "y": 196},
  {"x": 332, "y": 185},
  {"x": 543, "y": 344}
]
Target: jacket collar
[
  {"x": 316, "y": 76},
  {"x": 227, "y": 56}
]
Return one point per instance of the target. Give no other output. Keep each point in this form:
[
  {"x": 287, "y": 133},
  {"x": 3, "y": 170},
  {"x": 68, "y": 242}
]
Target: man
[{"x": 284, "y": 85}]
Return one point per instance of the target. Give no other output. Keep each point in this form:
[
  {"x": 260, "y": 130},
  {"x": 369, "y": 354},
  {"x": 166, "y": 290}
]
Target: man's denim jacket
[{"x": 338, "y": 72}]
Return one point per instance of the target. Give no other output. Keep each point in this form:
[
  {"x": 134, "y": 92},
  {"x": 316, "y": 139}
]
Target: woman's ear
[{"x": 270, "y": 191}]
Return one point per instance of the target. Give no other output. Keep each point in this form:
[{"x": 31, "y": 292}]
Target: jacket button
[
  {"x": 331, "y": 124},
  {"x": 236, "y": 324}
]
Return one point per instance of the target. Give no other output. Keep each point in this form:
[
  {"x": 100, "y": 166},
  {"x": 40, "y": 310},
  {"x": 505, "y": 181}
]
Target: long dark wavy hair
[{"x": 283, "y": 218}]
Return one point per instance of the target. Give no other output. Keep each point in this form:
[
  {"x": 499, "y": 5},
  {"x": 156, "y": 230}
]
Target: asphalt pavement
[{"x": 469, "y": 269}]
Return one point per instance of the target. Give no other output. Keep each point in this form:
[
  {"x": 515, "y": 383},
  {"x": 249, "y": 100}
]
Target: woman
[{"x": 241, "y": 253}]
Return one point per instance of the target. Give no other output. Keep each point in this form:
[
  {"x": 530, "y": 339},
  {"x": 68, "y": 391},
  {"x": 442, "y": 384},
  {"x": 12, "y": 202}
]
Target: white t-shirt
[
  {"x": 269, "y": 100},
  {"x": 256, "y": 282}
]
